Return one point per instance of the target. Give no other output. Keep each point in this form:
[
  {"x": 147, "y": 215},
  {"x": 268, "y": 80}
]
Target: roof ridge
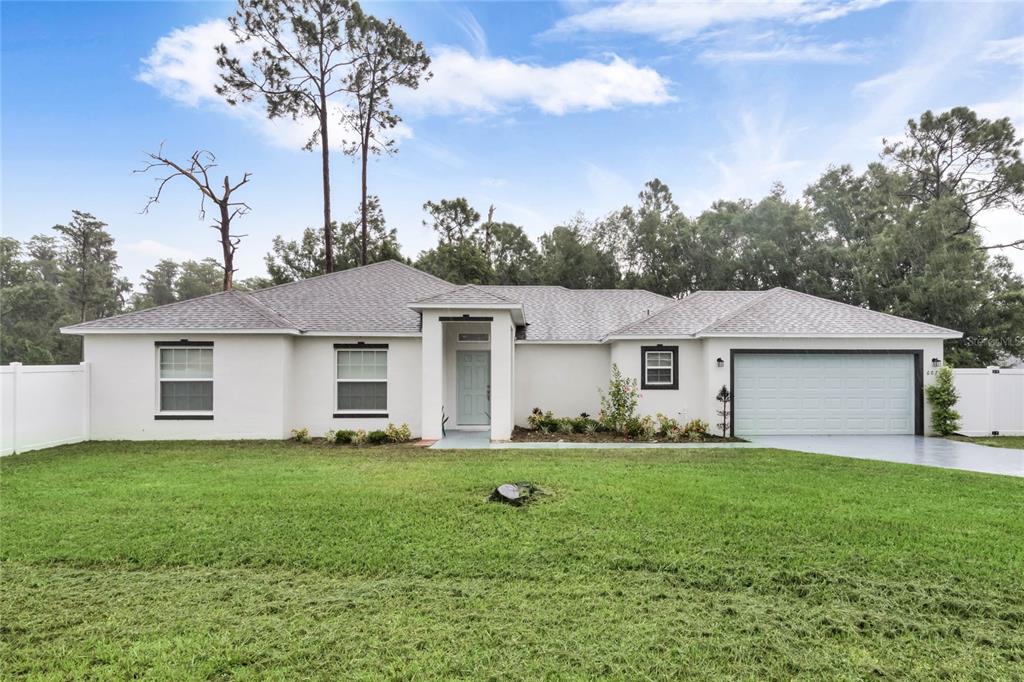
[
  {"x": 348, "y": 270},
  {"x": 661, "y": 311},
  {"x": 264, "y": 310},
  {"x": 867, "y": 310},
  {"x": 734, "y": 313}
]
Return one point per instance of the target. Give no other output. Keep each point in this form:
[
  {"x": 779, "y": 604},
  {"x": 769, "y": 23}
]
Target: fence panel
[
  {"x": 42, "y": 406},
  {"x": 991, "y": 401}
]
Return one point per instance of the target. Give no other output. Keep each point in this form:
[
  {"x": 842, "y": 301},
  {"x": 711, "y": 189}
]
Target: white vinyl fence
[
  {"x": 991, "y": 401},
  {"x": 42, "y": 406}
]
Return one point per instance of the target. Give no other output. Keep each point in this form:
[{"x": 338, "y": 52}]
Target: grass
[
  {"x": 994, "y": 441},
  {"x": 282, "y": 561}
]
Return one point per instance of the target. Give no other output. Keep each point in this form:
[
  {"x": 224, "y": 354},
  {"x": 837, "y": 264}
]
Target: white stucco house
[{"x": 387, "y": 342}]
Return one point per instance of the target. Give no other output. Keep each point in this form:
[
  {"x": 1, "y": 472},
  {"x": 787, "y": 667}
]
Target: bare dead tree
[{"x": 197, "y": 170}]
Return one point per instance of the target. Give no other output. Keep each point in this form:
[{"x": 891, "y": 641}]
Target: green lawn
[
  {"x": 994, "y": 441},
  {"x": 281, "y": 561}
]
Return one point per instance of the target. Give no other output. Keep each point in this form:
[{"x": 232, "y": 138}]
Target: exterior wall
[
  {"x": 562, "y": 378},
  {"x": 249, "y": 373},
  {"x": 311, "y": 394},
  {"x": 684, "y": 403},
  {"x": 715, "y": 377},
  {"x": 502, "y": 384}
]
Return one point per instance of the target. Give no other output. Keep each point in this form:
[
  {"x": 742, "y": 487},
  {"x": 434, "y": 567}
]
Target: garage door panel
[{"x": 804, "y": 393}]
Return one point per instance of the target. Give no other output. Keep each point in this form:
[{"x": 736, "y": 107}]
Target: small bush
[
  {"x": 648, "y": 428},
  {"x": 666, "y": 425},
  {"x": 545, "y": 422},
  {"x": 696, "y": 429},
  {"x": 942, "y": 396},
  {"x": 566, "y": 425},
  {"x": 377, "y": 437},
  {"x": 301, "y": 435},
  {"x": 359, "y": 438},
  {"x": 398, "y": 434},
  {"x": 330, "y": 436},
  {"x": 618, "y": 405},
  {"x": 345, "y": 437}
]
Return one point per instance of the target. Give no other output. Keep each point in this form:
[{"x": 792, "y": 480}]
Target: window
[
  {"x": 362, "y": 377},
  {"x": 474, "y": 336},
  {"x": 186, "y": 379},
  {"x": 658, "y": 367}
]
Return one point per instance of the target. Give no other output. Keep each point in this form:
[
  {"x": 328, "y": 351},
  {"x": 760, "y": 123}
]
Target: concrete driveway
[{"x": 933, "y": 452}]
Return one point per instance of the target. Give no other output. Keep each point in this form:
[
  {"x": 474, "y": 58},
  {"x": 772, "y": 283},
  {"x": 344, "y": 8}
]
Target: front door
[{"x": 473, "y": 382}]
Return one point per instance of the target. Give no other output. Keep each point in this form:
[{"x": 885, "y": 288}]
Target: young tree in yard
[
  {"x": 300, "y": 59},
  {"x": 972, "y": 163},
  {"x": 385, "y": 57},
  {"x": 197, "y": 171},
  {"x": 942, "y": 396}
]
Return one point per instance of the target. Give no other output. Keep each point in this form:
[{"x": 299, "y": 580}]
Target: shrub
[
  {"x": 566, "y": 425},
  {"x": 330, "y": 436},
  {"x": 301, "y": 435},
  {"x": 398, "y": 434},
  {"x": 666, "y": 425},
  {"x": 545, "y": 422},
  {"x": 345, "y": 437},
  {"x": 359, "y": 438},
  {"x": 618, "y": 405},
  {"x": 377, "y": 437},
  {"x": 695, "y": 430},
  {"x": 942, "y": 396},
  {"x": 583, "y": 424},
  {"x": 632, "y": 428},
  {"x": 640, "y": 428}
]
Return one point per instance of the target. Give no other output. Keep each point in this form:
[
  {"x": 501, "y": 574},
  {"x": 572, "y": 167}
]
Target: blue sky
[{"x": 542, "y": 109}]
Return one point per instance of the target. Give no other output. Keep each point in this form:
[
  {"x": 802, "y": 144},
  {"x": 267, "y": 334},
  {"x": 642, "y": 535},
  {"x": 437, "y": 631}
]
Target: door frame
[
  {"x": 458, "y": 403},
  {"x": 918, "y": 374}
]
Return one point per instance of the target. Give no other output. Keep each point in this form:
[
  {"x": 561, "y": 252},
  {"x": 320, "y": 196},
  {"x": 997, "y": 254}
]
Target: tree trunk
[
  {"x": 225, "y": 243},
  {"x": 325, "y": 157},
  {"x": 363, "y": 204}
]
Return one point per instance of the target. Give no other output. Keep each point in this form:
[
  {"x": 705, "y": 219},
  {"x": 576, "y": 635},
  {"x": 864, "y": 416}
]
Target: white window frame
[
  {"x": 160, "y": 380},
  {"x": 671, "y": 367},
  {"x": 338, "y": 380}
]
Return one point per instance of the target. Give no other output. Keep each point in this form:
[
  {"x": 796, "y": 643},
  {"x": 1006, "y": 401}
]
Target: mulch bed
[{"x": 522, "y": 435}]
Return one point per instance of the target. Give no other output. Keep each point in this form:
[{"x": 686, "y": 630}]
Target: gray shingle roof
[
  {"x": 783, "y": 311},
  {"x": 229, "y": 310},
  {"x": 375, "y": 299},
  {"x": 470, "y": 294},
  {"x": 769, "y": 313},
  {"x": 688, "y": 315},
  {"x": 560, "y": 314},
  {"x": 371, "y": 299}
]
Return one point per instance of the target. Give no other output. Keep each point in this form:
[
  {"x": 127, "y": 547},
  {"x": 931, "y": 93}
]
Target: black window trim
[{"x": 674, "y": 386}]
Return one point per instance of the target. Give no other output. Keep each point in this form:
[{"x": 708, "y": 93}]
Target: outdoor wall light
[
  {"x": 720, "y": 362},
  {"x": 936, "y": 362}
]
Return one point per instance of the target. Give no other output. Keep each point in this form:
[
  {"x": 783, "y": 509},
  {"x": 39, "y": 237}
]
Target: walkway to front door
[{"x": 473, "y": 386}]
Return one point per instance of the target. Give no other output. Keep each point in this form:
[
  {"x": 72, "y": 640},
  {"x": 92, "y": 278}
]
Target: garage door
[{"x": 823, "y": 393}]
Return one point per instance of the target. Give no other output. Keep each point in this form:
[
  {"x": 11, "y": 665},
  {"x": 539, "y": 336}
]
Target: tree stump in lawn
[{"x": 516, "y": 494}]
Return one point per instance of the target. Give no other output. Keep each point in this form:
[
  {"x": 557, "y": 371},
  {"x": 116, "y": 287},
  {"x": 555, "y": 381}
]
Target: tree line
[{"x": 901, "y": 237}]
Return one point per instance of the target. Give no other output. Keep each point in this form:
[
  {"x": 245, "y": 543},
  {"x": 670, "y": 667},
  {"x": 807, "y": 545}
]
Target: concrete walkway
[
  {"x": 933, "y": 452},
  {"x": 458, "y": 440}
]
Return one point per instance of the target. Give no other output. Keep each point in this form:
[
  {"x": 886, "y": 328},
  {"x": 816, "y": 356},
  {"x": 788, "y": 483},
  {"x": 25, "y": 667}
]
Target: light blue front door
[{"x": 473, "y": 382}]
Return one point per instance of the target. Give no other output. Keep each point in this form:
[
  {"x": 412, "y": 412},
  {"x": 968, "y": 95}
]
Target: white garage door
[{"x": 823, "y": 393}]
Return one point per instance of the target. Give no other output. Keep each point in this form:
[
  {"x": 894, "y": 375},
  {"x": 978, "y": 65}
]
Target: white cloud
[
  {"x": 1010, "y": 50},
  {"x": 154, "y": 249},
  {"x": 465, "y": 83},
  {"x": 473, "y": 30},
  {"x": 791, "y": 51},
  {"x": 183, "y": 67},
  {"x": 673, "y": 21}
]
